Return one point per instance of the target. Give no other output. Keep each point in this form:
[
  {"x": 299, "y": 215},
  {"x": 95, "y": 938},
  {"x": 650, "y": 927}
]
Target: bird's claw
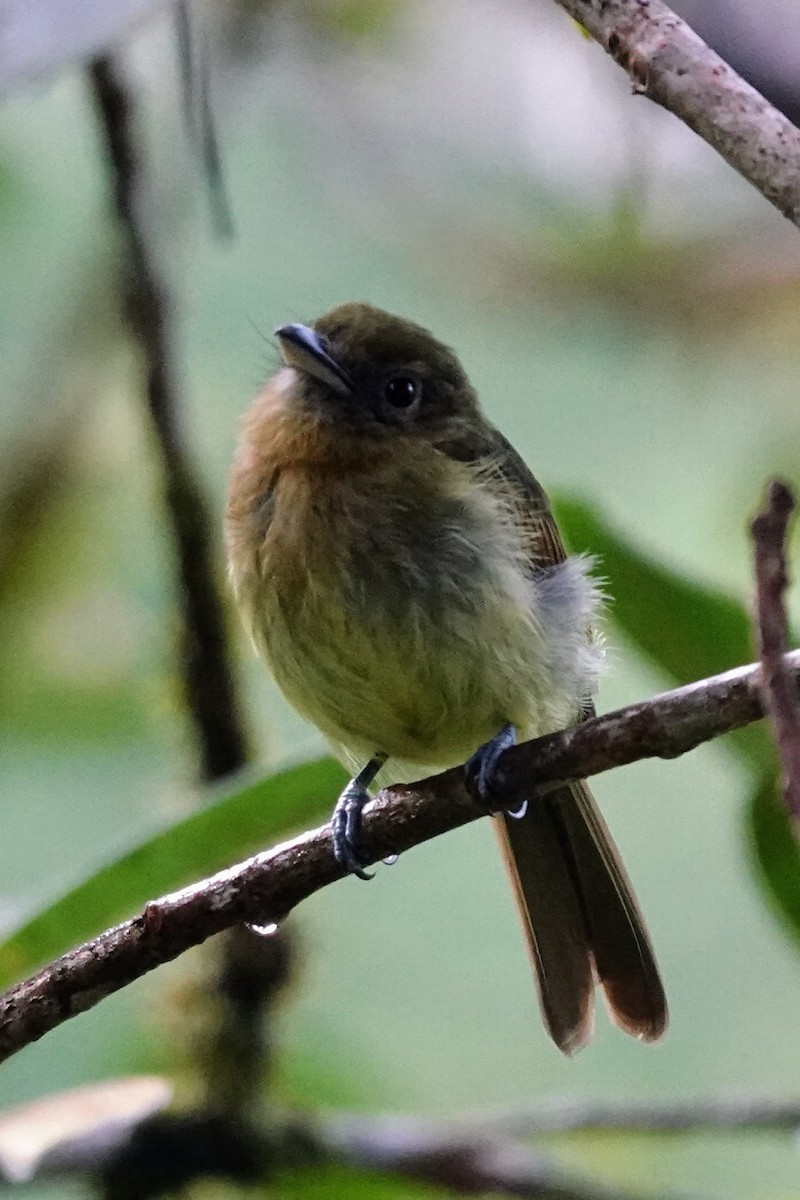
[
  {"x": 481, "y": 770},
  {"x": 346, "y": 829}
]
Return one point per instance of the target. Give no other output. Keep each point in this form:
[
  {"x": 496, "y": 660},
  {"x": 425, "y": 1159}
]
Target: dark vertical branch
[
  {"x": 237, "y": 1053},
  {"x": 198, "y": 112},
  {"x": 233, "y": 1066},
  {"x": 207, "y": 678},
  {"x": 778, "y": 687}
]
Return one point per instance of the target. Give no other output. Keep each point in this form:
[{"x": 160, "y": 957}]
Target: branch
[
  {"x": 780, "y": 693},
  {"x": 232, "y": 1065},
  {"x": 126, "y": 1129},
  {"x": 143, "y": 1154},
  {"x": 671, "y": 65},
  {"x": 198, "y": 111},
  {"x": 719, "y": 1114},
  {"x": 267, "y": 887},
  {"x": 233, "y": 1042},
  {"x": 207, "y": 679},
  {"x": 440, "y": 1154}
]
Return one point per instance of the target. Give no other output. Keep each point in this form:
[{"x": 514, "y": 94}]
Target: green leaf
[
  {"x": 688, "y": 629},
  {"x": 691, "y": 631},
  {"x": 776, "y": 851},
  {"x": 334, "y": 1181},
  {"x": 235, "y": 825}
]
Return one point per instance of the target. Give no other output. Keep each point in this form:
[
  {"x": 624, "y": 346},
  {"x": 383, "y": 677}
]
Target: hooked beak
[{"x": 302, "y": 348}]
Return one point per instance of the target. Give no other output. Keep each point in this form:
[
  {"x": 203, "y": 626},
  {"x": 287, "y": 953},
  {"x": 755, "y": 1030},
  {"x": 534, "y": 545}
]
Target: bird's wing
[{"x": 577, "y": 904}]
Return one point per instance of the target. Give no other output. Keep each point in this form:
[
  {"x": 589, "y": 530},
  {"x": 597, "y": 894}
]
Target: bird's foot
[
  {"x": 346, "y": 820},
  {"x": 481, "y": 771},
  {"x": 346, "y": 829}
]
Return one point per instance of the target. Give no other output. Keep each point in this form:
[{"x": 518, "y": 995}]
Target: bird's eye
[{"x": 401, "y": 390}]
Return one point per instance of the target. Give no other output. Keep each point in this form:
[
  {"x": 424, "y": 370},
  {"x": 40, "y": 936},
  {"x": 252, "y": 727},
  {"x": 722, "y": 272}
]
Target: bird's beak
[{"x": 303, "y": 348}]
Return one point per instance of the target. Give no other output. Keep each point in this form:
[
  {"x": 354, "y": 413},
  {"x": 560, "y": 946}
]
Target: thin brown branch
[
  {"x": 439, "y": 1154},
  {"x": 141, "y": 1156},
  {"x": 719, "y": 1114},
  {"x": 198, "y": 111},
  {"x": 769, "y": 530},
  {"x": 207, "y": 679},
  {"x": 670, "y": 64},
  {"x": 267, "y": 887}
]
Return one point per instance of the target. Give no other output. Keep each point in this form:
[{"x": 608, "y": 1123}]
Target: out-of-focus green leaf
[
  {"x": 330, "y": 1183},
  {"x": 353, "y": 20},
  {"x": 687, "y": 629},
  {"x": 776, "y": 851},
  {"x": 236, "y": 825}
]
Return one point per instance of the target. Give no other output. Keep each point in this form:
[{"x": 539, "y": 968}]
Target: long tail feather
[{"x": 580, "y": 915}]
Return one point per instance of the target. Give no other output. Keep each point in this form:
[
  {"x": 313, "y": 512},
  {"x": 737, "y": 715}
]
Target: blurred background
[{"x": 627, "y": 308}]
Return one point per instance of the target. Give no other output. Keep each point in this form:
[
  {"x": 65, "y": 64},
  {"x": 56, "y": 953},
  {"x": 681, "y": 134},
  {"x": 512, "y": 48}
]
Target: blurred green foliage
[
  {"x": 687, "y": 629},
  {"x": 776, "y": 851},
  {"x": 232, "y": 824}
]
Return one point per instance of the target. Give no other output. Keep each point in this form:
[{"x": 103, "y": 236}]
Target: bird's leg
[
  {"x": 481, "y": 770},
  {"x": 346, "y": 818}
]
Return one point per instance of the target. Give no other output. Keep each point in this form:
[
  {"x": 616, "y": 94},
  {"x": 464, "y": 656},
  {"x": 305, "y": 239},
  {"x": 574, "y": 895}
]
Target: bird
[{"x": 401, "y": 574}]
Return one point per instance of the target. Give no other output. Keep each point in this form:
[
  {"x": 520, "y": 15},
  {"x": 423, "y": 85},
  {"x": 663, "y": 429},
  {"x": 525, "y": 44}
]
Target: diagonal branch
[
  {"x": 780, "y": 695},
  {"x": 268, "y": 886},
  {"x": 670, "y": 64}
]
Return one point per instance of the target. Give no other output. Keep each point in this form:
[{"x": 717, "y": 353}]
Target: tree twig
[
  {"x": 268, "y": 886},
  {"x": 198, "y": 111},
  {"x": 234, "y": 1071},
  {"x": 440, "y": 1154},
  {"x": 780, "y": 691},
  {"x": 718, "y": 1114},
  {"x": 234, "y": 1053},
  {"x": 207, "y": 679},
  {"x": 138, "y": 1156},
  {"x": 670, "y": 64}
]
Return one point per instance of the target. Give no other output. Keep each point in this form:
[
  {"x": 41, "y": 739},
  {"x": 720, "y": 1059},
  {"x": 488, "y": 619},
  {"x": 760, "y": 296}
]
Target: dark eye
[{"x": 401, "y": 390}]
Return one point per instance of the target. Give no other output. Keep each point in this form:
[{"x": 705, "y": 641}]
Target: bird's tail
[{"x": 581, "y": 919}]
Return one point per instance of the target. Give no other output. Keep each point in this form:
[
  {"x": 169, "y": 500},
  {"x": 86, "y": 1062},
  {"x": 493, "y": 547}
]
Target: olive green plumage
[{"x": 400, "y": 572}]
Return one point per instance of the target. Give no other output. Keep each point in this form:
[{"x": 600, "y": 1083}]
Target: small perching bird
[{"x": 400, "y": 572}]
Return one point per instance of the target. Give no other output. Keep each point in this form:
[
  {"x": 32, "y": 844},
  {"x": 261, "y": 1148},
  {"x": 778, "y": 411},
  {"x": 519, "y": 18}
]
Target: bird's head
[{"x": 368, "y": 373}]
